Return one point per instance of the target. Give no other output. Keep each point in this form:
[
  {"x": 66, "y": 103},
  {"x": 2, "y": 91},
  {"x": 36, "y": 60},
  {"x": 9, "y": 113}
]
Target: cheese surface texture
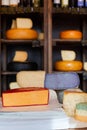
[
  {"x": 20, "y": 56},
  {"x": 68, "y": 55},
  {"x": 25, "y": 97},
  {"x": 70, "y": 99},
  {"x": 30, "y": 78}
]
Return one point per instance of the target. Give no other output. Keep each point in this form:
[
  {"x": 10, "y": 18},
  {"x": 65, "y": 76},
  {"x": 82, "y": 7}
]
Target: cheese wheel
[
  {"x": 68, "y": 65},
  {"x": 61, "y": 80},
  {"x": 23, "y": 34},
  {"x": 71, "y": 34},
  {"x": 25, "y": 97},
  {"x": 18, "y": 66}
]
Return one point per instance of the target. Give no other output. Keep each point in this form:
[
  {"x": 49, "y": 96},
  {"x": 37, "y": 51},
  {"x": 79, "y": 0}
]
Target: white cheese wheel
[
  {"x": 20, "y": 56},
  {"x": 68, "y": 55},
  {"x": 24, "y": 23},
  {"x": 31, "y": 78}
]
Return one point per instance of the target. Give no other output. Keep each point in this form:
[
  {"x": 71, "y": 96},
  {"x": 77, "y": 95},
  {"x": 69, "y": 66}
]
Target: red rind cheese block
[
  {"x": 25, "y": 97},
  {"x": 71, "y": 34},
  {"x": 68, "y": 65},
  {"x": 24, "y": 34}
]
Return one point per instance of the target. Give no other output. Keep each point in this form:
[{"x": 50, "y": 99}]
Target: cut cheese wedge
[
  {"x": 68, "y": 55},
  {"x": 71, "y": 98},
  {"x": 25, "y": 97},
  {"x": 20, "y": 56},
  {"x": 14, "y": 85},
  {"x": 24, "y": 23}
]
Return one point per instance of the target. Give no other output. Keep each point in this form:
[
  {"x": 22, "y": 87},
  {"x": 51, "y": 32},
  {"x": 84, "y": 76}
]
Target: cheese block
[
  {"x": 68, "y": 65},
  {"x": 25, "y": 97},
  {"x": 19, "y": 66},
  {"x": 24, "y": 23},
  {"x": 21, "y": 34},
  {"x": 61, "y": 80},
  {"x": 70, "y": 99},
  {"x": 20, "y": 56},
  {"x": 85, "y": 66},
  {"x": 14, "y": 85},
  {"x": 68, "y": 55},
  {"x": 31, "y": 78},
  {"x": 81, "y": 112},
  {"x": 71, "y": 34}
]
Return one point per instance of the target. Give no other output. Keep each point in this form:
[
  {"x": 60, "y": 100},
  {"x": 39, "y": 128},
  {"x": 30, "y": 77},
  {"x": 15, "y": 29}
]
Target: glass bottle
[
  {"x": 36, "y": 3},
  {"x": 80, "y": 3},
  {"x": 72, "y": 3},
  {"x": 5, "y": 3},
  {"x": 64, "y": 3},
  {"x": 85, "y": 3},
  {"x": 56, "y": 3}
]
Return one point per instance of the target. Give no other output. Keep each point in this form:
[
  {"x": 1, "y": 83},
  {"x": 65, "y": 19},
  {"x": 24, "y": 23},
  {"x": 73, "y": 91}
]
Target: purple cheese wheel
[{"x": 61, "y": 80}]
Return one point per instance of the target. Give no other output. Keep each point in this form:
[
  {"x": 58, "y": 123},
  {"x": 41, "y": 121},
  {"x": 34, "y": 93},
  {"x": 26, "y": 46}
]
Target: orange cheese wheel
[
  {"x": 71, "y": 34},
  {"x": 25, "y": 34},
  {"x": 68, "y": 65}
]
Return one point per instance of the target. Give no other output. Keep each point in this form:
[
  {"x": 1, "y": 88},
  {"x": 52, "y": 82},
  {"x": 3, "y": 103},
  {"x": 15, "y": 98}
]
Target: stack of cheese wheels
[
  {"x": 22, "y": 29},
  {"x": 68, "y": 62},
  {"x": 71, "y": 34}
]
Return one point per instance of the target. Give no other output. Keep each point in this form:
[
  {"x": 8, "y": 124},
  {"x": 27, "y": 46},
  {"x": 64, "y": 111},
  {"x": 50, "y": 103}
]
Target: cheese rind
[
  {"x": 21, "y": 34},
  {"x": 71, "y": 34},
  {"x": 20, "y": 56},
  {"x": 68, "y": 55},
  {"x": 25, "y": 97},
  {"x": 68, "y": 65}
]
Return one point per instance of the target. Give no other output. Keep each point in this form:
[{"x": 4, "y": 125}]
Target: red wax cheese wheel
[
  {"x": 71, "y": 34},
  {"x": 25, "y": 34},
  {"x": 68, "y": 65},
  {"x": 25, "y": 97}
]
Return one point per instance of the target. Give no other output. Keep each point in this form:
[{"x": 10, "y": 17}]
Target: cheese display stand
[{"x": 41, "y": 38}]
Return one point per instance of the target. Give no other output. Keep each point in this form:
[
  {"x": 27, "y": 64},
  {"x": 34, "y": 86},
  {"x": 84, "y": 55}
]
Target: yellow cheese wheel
[
  {"x": 25, "y": 34},
  {"x": 71, "y": 34},
  {"x": 68, "y": 65}
]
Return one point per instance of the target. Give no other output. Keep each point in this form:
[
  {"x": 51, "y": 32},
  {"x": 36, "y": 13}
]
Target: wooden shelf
[
  {"x": 19, "y": 10},
  {"x": 66, "y": 11}
]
